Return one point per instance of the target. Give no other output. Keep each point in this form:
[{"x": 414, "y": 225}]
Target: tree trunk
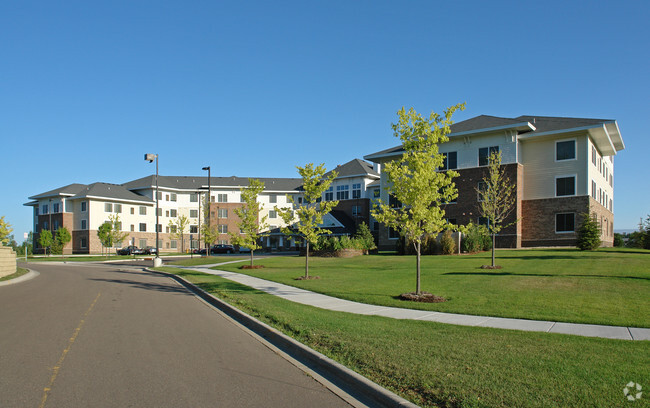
[
  {"x": 251, "y": 257},
  {"x": 307, "y": 262},
  {"x": 417, "y": 285},
  {"x": 493, "y": 249}
]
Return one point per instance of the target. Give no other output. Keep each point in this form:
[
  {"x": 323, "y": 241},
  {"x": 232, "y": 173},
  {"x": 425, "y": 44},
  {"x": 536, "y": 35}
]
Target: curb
[
  {"x": 358, "y": 386},
  {"x": 29, "y": 275}
]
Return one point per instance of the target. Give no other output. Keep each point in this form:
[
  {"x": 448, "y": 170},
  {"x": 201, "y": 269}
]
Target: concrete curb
[
  {"x": 29, "y": 275},
  {"x": 358, "y": 386}
]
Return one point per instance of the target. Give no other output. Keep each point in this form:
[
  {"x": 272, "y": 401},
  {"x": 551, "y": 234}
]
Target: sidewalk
[{"x": 331, "y": 303}]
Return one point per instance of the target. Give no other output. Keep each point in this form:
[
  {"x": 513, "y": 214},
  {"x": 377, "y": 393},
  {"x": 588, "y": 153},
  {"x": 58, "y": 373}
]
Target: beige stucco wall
[{"x": 7, "y": 261}]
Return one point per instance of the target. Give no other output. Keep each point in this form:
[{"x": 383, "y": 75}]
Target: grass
[
  {"x": 439, "y": 365},
  {"x": 197, "y": 261},
  {"x": 608, "y": 286},
  {"x": 19, "y": 272}
]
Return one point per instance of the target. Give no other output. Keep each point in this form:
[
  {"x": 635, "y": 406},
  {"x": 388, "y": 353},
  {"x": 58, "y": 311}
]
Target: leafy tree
[
  {"x": 645, "y": 233},
  {"x": 415, "y": 180},
  {"x": 62, "y": 237},
  {"x": 312, "y": 210},
  {"x": 209, "y": 232},
  {"x": 618, "y": 240},
  {"x": 5, "y": 231},
  {"x": 250, "y": 224},
  {"x": 45, "y": 239},
  {"x": 104, "y": 235},
  {"x": 178, "y": 229},
  {"x": 116, "y": 229},
  {"x": 588, "y": 233},
  {"x": 496, "y": 197}
]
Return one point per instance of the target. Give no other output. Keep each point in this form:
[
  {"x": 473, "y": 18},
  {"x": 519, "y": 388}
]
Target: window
[
  {"x": 167, "y": 213},
  {"x": 166, "y": 197},
  {"x": 565, "y": 150},
  {"x": 482, "y": 187},
  {"x": 611, "y": 205},
  {"x": 451, "y": 221},
  {"x": 329, "y": 194},
  {"x": 222, "y": 213},
  {"x": 450, "y": 161},
  {"x": 376, "y": 193},
  {"x": 173, "y": 197},
  {"x": 143, "y": 242},
  {"x": 565, "y": 222},
  {"x": 223, "y": 229},
  {"x": 593, "y": 155},
  {"x": 484, "y": 154},
  {"x": 45, "y": 209},
  {"x": 117, "y": 208},
  {"x": 132, "y": 227},
  {"x": 273, "y": 198},
  {"x": 35, "y": 211},
  {"x": 173, "y": 229},
  {"x": 194, "y": 229},
  {"x": 159, "y": 227},
  {"x": 173, "y": 213},
  {"x": 273, "y": 214},
  {"x": 173, "y": 243},
  {"x": 132, "y": 210},
  {"x": 356, "y": 190},
  {"x": 611, "y": 180},
  {"x": 194, "y": 213},
  {"x": 84, "y": 243},
  {"x": 484, "y": 221},
  {"x": 160, "y": 213},
  {"x": 159, "y": 195},
  {"x": 108, "y": 207},
  {"x": 222, "y": 198},
  {"x": 565, "y": 186},
  {"x": 143, "y": 227},
  {"x": 194, "y": 198},
  {"x": 393, "y": 202},
  {"x": 167, "y": 229},
  {"x": 343, "y": 192},
  {"x": 356, "y": 210},
  {"x": 212, "y": 199},
  {"x": 118, "y": 226},
  {"x": 143, "y": 210},
  {"x": 392, "y": 233},
  {"x": 84, "y": 224},
  {"x": 55, "y": 208}
]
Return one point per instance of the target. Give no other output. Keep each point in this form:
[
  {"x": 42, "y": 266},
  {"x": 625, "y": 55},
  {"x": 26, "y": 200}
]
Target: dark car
[
  {"x": 149, "y": 250},
  {"x": 129, "y": 250},
  {"x": 222, "y": 249},
  {"x": 199, "y": 251}
]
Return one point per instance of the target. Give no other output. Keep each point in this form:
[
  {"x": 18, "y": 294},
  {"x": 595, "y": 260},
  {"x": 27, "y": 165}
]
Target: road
[{"x": 97, "y": 335}]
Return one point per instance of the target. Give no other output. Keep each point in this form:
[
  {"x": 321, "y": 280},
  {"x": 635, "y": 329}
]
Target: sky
[{"x": 256, "y": 88}]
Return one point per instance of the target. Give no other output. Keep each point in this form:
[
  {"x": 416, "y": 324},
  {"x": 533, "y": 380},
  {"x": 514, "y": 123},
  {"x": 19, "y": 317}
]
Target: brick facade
[{"x": 539, "y": 219}]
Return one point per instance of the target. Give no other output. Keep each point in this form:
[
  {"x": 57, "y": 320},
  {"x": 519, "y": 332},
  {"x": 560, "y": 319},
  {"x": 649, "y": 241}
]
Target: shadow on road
[{"x": 168, "y": 288}]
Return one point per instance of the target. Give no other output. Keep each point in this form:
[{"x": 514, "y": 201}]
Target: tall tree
[
  {"x": 209, "y": 232},
  {"x": 116, "y": 229},
  {"x": 496, "y": 196},
  {"x": 415, "y": 181},
  {"x": 310, "y": 213},
  {"x": 104, "y": 235},
  {"x": 5, "y": 231},
  {"x": 250, "y": 223},
  {"x": 177, "y": 229},
  {"x": 62, "y": 237},
  {"x": 45, "y": 239}
]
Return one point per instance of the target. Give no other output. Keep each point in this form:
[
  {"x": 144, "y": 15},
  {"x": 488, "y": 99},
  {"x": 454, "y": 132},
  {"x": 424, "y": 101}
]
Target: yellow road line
[{"x": 57, "y": 367}]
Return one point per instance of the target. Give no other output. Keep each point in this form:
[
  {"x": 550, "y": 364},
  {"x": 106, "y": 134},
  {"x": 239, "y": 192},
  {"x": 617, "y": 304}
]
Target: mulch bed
[
  {"x": 308, "y": 278},
  {"x": 424, "y": 297},
  {"x": 491, "y": 267},
  {"x": 251, "y": 267}
]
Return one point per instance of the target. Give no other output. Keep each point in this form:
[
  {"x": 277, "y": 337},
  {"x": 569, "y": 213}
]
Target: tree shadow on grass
[{"x": 545, "y": 275}]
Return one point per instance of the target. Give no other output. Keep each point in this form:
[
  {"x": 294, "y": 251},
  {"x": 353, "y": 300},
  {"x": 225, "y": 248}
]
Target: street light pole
[
  {"x": 208, "y": 201},
  {"x": 150, "y": 158}
]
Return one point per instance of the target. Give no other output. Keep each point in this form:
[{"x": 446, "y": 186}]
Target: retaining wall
[{"x": 7, "y": 261}]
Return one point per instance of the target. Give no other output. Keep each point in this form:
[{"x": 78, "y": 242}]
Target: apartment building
[{"x": 562, "y": 168}]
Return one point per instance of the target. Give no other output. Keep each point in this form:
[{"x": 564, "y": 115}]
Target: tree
[
  {"x": 45, "y": 239},
  {"x": 116, "y": 229},
  {"x": 496, "y": 196},
  {"x": 588, "y": 233},
  {"x": 645, "y": 233},
  {"x": 250, "y": 223},
  {"x": 364, "y": 237},
  {"x": 62, "y": 237},
  {"x": 104, "y": 234},
  {"x": 310, "y": 213},
  {"x": 209, "y": 232},
  {"x": 5, "y": 231},
  {"x": 178, "y": 229},
  {"x": 414, "y": 180}
]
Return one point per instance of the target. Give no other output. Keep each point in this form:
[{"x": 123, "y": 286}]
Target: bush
[
  {"x": 363, "y": 238},
  {"x": 618, "y": 240},
  {"x": 476, "y": 239},
  {"x": 588, "y": 233},
  {"x": 429, "y": 246},
  {"x": 447, "y": 243}
]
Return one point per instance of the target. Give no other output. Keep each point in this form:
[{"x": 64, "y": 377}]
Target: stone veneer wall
[
  {"x": 7, "y": 261},
  {"x": 606, "y": 220}
]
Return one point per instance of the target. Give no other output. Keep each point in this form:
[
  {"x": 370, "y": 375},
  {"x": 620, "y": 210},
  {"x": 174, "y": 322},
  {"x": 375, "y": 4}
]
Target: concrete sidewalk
[{"x": 331, "y": 303}]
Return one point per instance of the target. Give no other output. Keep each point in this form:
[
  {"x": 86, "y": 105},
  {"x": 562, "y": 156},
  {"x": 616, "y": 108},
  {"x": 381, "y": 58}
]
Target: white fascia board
[
  {"x": 517, "y": 126},
  {"x": 615, "y": 135},
  {"x": 117, "y": 199},
  {"x": 359, "y": 175},
  {"x": 373, "y": 156},
  {"x": 598, "y": 133},
  {"x": 31, "y": 204}
]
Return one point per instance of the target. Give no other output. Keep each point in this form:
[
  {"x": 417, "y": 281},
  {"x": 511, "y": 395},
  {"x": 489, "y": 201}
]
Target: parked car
[
  {"x": 222, "y": 249},
  {"x": 199, "y": 251},
  {"x": 149, "y": 250},
  {"x": 244, "y": 249},
  {"x": 129, "y": 250}
]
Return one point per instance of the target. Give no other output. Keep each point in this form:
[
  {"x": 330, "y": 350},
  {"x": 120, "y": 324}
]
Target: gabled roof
[
  {"x": 604, "y": 131},
  {"x": 192, "y": 183},
  {"x": 112, "y": 192},
  {"x": 355, "y": 168},
  {"x": 69, "y": 190}
]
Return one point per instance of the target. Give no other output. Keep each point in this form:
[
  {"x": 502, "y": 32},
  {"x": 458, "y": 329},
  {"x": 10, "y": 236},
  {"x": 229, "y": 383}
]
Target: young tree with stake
[{"x": 250, "y": 223}]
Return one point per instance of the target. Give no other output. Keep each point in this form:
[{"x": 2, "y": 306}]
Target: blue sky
[{"x": 257, "y": 88}]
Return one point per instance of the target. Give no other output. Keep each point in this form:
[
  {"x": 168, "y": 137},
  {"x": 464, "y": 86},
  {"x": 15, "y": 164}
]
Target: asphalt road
[{"x": 116, "y": 336}]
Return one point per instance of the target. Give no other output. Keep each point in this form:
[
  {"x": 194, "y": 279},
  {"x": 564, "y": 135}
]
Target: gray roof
[
  {"x": 354, "y": 168},
  {"x": 69, "y": 190},
  {"x": 194, "y": 183},
  {"x": 541, "y": 124},
  {"x": 111, "y": 191}
]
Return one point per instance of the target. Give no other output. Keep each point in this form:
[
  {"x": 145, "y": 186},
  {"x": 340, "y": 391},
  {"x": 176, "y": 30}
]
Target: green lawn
[
  {"x": 435, "y": 364},
  {"x": 19, "y": 272},
  {"x": 198, "y": 260},
  {"x": 608, "y": 286}
]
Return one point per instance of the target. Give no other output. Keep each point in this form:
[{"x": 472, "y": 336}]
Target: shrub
[
  {"x": 618, "y": 240},
  {"x": 447, "y": 243},
  {"x": 588, "y": 233},
  {"x": 476, "y": 238},
  {"x": 363, "y": 238}
]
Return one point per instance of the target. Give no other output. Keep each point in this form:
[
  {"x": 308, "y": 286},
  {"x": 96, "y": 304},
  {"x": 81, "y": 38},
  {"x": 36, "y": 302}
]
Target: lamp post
[
  {"x": 208, "y": 201},
  {"x": 150, "y": 158}
]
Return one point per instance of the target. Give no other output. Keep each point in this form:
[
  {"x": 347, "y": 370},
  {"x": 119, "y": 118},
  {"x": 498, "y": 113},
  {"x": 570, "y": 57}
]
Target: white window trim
[
  {"x": 575, "y": 142},
  {"x": 575, "y": 185},
  {"x": 574, "y": 223}
]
